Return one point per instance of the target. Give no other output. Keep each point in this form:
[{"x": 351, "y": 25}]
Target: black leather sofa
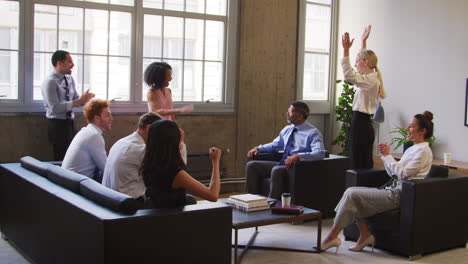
[
  {"x": 314, "y": 184},
  {"x": 55, "y": 216},
  {"x": 432, "y": 214}
]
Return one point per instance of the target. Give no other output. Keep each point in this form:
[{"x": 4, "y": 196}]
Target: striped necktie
[{"x": 67, "y": 95}]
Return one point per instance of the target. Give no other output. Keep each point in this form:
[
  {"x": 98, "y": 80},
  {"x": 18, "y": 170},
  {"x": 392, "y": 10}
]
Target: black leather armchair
[
  {"x": 432, "y": 214},
  {"x": 314, "y": 184}
]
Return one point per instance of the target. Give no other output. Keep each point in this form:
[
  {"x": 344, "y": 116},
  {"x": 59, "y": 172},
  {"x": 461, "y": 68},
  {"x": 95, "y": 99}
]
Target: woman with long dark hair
[{"x": 164, "y": 172}]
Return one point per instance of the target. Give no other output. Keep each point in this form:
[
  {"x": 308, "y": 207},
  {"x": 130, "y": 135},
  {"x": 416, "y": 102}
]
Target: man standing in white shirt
[
  {"x": 87, "y": 154},
  {"x": 123, "y": 164}
]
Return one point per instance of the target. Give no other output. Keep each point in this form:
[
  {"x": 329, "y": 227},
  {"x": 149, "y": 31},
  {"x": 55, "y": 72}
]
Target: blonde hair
[{"x": 372, "y": 60}]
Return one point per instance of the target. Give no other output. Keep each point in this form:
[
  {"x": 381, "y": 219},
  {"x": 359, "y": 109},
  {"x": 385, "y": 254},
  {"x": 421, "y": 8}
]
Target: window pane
[
  {"x": 152, "y": 36},
  {"x": 173, "y": 34},
  {"x": 95, "y": 75},
  {"x": 315, "y": 77},
  {"x": 327, "y": 2},
  {"x": 9, "y": 25},
  {"x": 153, "y": 3},
  {"x": 119, "y": 78},
  {"x": 71, "y": 29},
  {"x": 97, "y": 1},
  {"x": 96, "y": 31},
  {"x": 176, "y": 84},
  {"x": 122, "y": 2},
  {"x": 177, "y": 5},
  {"x": 77, "y": 72},
  {"x": 194, "y": 39},
  {"x": 197, "y": 6},
  {"x": 216, "y": 7},
  {"x": 317, "y": 33},
  {"x": 42, "y": 68},
  {"x": 9, "y": 75},
  {"x": 45, "y": 28},
  {"x": 120, "y": 43},
  {"x": 213, "y": 81},
  {"x": 193, "y": 72},
  {"x": 214, "y": 40}
]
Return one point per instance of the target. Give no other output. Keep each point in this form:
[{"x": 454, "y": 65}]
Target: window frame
[
  {"x": 318, "y": 106},
  {"x": 25, "y": 102}
]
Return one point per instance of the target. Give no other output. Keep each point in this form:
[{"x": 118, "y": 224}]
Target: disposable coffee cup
[
  {"x": 447, "y": 158},
  {"x": 286, "y": 199}
]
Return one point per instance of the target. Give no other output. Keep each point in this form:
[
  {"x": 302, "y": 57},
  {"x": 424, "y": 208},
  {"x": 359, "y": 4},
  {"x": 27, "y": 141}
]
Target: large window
[
  {"x": 315, "y": 56},
  {"x": 112, "y": 42},
  {"x": 192, "y": 43},
  {"x": 98, "y": 40},
  {"x": 9, "y": 26}
]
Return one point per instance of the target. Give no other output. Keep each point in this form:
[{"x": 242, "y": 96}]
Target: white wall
[{"x": 422, "y": 47}]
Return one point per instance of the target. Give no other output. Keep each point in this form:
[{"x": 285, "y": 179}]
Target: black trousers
[
  {"x": 61, "y": 133},
  {"x": 361, "y": 141}
]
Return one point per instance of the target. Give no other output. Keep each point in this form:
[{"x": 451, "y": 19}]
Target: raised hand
[
  {"x": 346, "y": 42},
  {"x": 365, "y": 36},
  {"x": 366, "y": 33},
  {"x": 215, "y": 154}
]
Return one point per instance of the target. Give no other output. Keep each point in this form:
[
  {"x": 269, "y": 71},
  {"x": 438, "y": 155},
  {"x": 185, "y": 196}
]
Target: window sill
[{"x": 118, "y": 107}]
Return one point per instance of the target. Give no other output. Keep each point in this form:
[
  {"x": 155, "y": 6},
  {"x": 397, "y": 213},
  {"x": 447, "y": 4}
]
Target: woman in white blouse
[
  {"x": 358, "y": 203},
  {"x": 369, "y": 87}
]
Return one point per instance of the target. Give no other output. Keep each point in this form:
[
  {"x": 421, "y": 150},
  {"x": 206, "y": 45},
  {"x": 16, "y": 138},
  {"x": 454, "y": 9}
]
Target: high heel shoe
[
  {"x": 370, "y": 241},
  {"x": 333, "y": 243}
]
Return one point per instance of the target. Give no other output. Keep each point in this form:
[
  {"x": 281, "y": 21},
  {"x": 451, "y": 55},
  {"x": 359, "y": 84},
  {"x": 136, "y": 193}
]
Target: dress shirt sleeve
[
  {"x": 52, "y": 98},
  {"x": 317, "y": 148},
  {"x": 97, "y": 151},
  {"x": 277, "y": 144},
  {"x": 363, "y": 81},
  {"x": 411, "y": 168},
  {"x": 75, "y": 94}
]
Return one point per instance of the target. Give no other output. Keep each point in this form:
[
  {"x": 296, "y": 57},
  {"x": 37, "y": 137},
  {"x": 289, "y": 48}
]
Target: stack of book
[{"x": 248, "y": 202}]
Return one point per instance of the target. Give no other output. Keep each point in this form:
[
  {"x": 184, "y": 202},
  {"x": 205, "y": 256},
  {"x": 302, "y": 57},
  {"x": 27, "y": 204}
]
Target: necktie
[
  {"x": 67, "y": 91},
  {"x": 289, "y": 146},
  {"x": 67, "y": 95}
]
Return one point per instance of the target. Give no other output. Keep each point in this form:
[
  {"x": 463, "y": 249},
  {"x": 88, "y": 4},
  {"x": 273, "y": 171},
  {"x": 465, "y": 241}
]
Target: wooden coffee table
[{"x": 241, "y": 220}]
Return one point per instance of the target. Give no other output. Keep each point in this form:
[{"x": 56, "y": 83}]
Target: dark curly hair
[{"x": 155, "y": 74}]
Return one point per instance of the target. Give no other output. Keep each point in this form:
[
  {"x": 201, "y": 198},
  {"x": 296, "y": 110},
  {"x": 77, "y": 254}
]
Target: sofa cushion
[
  {"x": 34, "y": 165},
  {"x": 65, "y": 178},
  {"x": 438, "y": 172},
  {"x": 107, "y": 197}
]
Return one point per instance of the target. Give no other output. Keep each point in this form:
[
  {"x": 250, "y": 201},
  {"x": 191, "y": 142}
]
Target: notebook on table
[{"x": 292, "y": 209}]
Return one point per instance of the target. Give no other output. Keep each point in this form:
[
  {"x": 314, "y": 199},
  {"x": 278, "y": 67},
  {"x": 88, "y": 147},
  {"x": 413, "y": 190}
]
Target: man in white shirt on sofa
[
  {"x": 87, "y": 153},
  {"x": 122, "y": 171},
  {"x": 122, "y": 168}
]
